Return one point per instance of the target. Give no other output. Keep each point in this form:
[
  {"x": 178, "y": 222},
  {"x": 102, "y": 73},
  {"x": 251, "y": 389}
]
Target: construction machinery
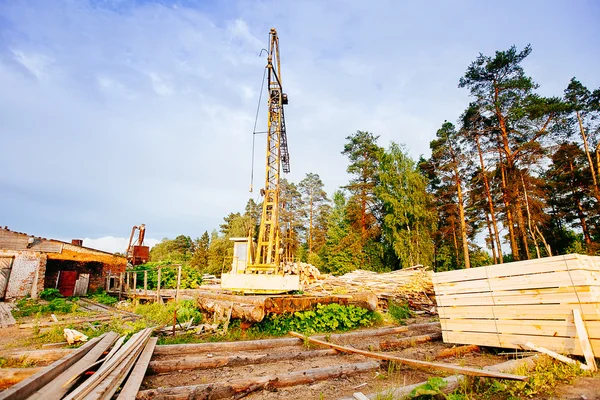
[
  {"x": 257, "y": 268},
  {"x": 137, "y": 253}
]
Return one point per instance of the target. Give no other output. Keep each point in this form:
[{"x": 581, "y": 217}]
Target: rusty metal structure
[
  {"x": 259, "y": 270},
  {"x": 137, "y": 253}
]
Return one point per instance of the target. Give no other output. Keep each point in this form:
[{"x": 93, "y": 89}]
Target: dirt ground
[{"x": 368, "y": 382}]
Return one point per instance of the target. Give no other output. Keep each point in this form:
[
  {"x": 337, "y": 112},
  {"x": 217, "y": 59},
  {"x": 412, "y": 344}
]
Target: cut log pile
[
  {"x": 411, "y": 285},
  {"x": 536, "y": 301},
  {"x": 113, "y": 366},
  {"x": 308, "y": 273}
]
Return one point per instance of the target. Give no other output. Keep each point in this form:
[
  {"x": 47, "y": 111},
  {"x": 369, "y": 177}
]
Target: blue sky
[{"x": 119, "y": 112}]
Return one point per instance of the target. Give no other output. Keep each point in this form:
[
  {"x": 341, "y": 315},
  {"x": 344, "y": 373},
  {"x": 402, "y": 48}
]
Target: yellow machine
[{"x": 257, "y": 268}]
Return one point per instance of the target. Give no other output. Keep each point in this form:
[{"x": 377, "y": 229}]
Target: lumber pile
[
  {"x": 536, "y": 301},
  {"x": 308, "y": 273},
  {"x": 412, "y": 285},
  {"x": 6, "y": 318},
  {"x": 113, "y": 364}
]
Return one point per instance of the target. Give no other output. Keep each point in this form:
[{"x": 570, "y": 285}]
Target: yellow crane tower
[{"x": 257, "y": 268}]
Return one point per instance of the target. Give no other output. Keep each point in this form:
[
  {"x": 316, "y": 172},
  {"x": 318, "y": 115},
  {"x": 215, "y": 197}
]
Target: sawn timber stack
[{"x": 525, "y": 301}]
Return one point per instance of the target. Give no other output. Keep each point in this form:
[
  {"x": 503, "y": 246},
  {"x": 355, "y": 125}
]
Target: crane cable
[{"x": 262, "y": 85}]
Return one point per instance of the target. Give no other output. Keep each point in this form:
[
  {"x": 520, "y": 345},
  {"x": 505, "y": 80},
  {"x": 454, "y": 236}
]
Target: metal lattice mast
[{"x": 267, "y": 252}]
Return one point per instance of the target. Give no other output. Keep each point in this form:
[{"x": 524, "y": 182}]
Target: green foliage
[
  {"x": 325, "y": 318},
  {"x": 176, "y": 250},
  {"x": 429, "y": 390},
  {"x": 399, "y": 312},
  {"x": 191, "y": 278},
  {"x": 49, "y": 294},
  {"x": 546, "y": 374},
  {"x": 163, "y": 313},
  {"x": 27, "y": 307},
  {"x": 409, "y": 218},
  {"x": 102, "y": 297}
]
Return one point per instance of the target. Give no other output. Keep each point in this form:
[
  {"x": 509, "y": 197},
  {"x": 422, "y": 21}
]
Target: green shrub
[
  {"x": 27, "y": 307},
  {"x": 49, "y": 294},
  {"x": 399, "y": 312},
  {"x": 102, "y": 297},
  {"x": 325, "y": 318},
  {"x": 163, "y": 313}
]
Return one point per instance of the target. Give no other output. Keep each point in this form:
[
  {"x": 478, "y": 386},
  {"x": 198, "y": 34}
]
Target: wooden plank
[
  {"x": 582, "y": 333},
  {"x": 61, "y": 384},
  {"x": 565, "y": 295},
  {"x": 556, "y": 263},
  {"x": 559, "y": 357},
  {"x": 564, "y": 328},
  {"x": 414, "y": 363},
  {"x": 590, "y": 312},
  {"x": 132, "y": 386},
  {"x": 537, "y": 281},
  {"x": 557, "y": 344},
  {"x": 27, "y": 387}
]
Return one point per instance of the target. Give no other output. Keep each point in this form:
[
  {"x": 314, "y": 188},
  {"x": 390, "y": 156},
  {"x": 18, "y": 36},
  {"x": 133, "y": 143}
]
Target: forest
[{"x": 514, "y": 178}]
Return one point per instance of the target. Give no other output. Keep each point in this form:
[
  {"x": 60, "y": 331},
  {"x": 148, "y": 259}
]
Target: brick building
[{"x": 31, "y": 264}]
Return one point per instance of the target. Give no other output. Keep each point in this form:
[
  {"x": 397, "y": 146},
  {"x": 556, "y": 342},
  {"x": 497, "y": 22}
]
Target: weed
[
  {"x": 49, "y": 294},
  {"x": 546, "y": 374},
  {"x": 399, "y": 312},
  {"x": 163, "y": 314},
  {"x": 102, "y": 297},
  {"x": 27, "y": 307},
  {"x": 325, "y": 318}
]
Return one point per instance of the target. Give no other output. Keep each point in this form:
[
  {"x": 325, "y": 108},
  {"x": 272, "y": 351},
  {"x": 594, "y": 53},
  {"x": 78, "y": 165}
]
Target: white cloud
[{"x": 113, "y": 244}]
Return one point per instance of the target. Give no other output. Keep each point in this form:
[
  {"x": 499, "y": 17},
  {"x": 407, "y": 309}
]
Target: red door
[{"x": 66, "y": 282}]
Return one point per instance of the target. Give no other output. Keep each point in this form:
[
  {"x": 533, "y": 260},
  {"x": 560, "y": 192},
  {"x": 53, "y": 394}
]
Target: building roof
[{"x": 19, "y": 241}]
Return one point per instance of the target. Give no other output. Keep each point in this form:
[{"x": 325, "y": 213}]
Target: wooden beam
[
  {"x": 220, "y": 390},
  {"x": 158, "y": 286},
  {"x": 410, "y": 341},
  {"x": 145, "y": 282},
  {"x": 132, "y": 386},
  {"x": 414, "y": 363},
  {"x": 584, "y": 339},
  {"x": 178, "y": 282}
]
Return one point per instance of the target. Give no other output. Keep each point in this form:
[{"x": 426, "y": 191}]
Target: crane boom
[
  {"x": 258, "y": 269},
  {"x": 267, "y": 257}
]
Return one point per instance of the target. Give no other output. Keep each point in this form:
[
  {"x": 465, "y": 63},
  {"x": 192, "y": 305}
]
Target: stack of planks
[
  {"x": 531, "y": 301},
  {"x": 412, "y": 285},
  {"x": 308, "y": 273},
  {"x": 110, "y": 360},
  {"x": 6, "y": 318}
]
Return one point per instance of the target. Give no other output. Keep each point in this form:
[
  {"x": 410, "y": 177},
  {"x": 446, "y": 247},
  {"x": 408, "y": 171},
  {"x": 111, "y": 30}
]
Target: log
[
  {"x": 245, "y": 311},
  {"x": 411, "y": 341},
  {"x": 11, "y": 376},
  {"x": 458, "y": 351},
  {"x": 414, "y": 363},
  {"x": 220, "y": 390},
  {"x": 174, "y": 349},
  {"x": 74, "y": 321},
  {"x": 168, "y": 365}
]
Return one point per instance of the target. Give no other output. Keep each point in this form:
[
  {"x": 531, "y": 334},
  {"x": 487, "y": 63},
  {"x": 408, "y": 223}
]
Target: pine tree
[{"x": 313, "y": 197}]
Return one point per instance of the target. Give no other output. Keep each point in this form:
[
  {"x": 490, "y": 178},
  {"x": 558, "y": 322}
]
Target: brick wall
[{"x": 27, "y": 265}]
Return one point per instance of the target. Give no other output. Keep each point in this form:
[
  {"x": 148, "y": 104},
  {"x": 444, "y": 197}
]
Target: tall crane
[{"x": 258, "y": 269}]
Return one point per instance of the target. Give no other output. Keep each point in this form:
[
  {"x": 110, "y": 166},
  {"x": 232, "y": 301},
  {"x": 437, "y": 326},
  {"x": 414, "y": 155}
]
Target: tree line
[{"x": 515, "y": 178}]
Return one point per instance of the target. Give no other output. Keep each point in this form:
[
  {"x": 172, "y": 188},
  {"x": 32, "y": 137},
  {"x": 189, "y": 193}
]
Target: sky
[{"x": 115, "y": 113}]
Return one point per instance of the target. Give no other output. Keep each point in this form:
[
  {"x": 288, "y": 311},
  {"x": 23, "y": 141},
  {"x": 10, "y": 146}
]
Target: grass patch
[
  {"x": 399, "y": 312},
  {"x": 546, "y": 375},
  {"x": 163, "y": 313},
  {"x": 57, "y": 305},
  {"x": 102, "y": 297}
]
